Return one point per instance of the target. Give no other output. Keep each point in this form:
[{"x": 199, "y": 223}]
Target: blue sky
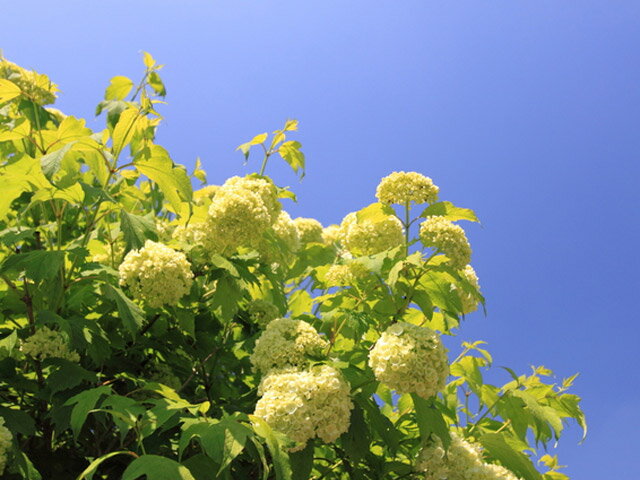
[{"x": 525, "y": 111}]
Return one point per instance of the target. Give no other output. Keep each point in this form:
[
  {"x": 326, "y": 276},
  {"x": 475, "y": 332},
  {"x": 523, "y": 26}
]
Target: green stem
[{"x": 407, "y": 224}]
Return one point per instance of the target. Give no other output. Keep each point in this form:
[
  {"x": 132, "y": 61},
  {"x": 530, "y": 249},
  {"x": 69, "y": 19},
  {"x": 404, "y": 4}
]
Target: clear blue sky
[{"x": 527, "y": 111}]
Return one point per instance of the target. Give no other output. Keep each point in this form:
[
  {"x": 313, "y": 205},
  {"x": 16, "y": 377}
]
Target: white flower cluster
[
  {"x": 309, "y": 229},
  {"x": 262, "y": 312},
  {"x": 5, "y": 444},
  {"x": 305, "y": 404},
  {"x": 410, "y": 359},
  {"x": 286, "y": 343},
  {"x": 240, "y": 212},
  {"x": 463, "y": 461},
  {"x": 344, "y": 275},
  {"x": 446, "y": 237},
  {"x": 47, "y": 343},
  {"x": 157, "y": 274},
  {"x": 468, "y": 300},
  {"x": 331, "y": 234},
  {"x": 402, "y": 188},
  {"x": 370, "y": 237}
]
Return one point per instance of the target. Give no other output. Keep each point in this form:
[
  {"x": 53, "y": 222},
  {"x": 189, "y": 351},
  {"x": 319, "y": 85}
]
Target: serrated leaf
[
  {"x": 125, "y": 129},
  {"x": 279, "y": 456},
  {"x": 290, "y": 152},
  {"x": 156, "y": 83},
  {"x": 172, "y": 180},
  {"x": 119, "y": 87},
  {"x": 83, "y": 403},
  {"x": 37, "y": 265},
  {"x": 131, "y": 314},
  {"x": 68, "y": 375},
  {"x": 136, "y": 230},
  {"x": 148, "y": 60},
  {"x": 450, "y": 212},
  {"x": 517, "y": 462},
  {"x": 302, "y": 462},
  {"x": 430, "y": 421},
  {"x": 52, "y": 161},
  {"x": 374, "y": 213},
  {"x": 8, "y": 90},
  {"x": 156, "y": 467},
  {"x": 18, "y": 421}
]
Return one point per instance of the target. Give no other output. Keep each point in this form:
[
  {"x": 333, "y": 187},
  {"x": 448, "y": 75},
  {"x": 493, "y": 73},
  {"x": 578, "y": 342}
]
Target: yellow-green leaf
[
  {"x": 8, "y": 90},
  {"x": 118, "y": 88}
]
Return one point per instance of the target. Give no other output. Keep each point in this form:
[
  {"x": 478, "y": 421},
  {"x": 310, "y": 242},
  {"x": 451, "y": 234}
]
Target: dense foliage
[{"x": 150, "y": 330}]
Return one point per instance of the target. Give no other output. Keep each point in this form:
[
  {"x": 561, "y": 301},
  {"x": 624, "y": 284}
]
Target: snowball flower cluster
[
  {"x": 468, "y": 300},
  {"x": 306, "y": 404},
  {"x": 410, "y": 359},
  {"x": 444, "y": 236},
  {"x": 157, "y": 274},
  {"x": 344, "y": 275},
  {"x": 370, "y": 237},
  {"x": 287, "y": 241},
  {"x": 47, "y": 343},
  {"x": 309, "y": 229},
  {"x": 240, "y": 212},
  {"x": 331, "y": 234},
  {"x": 262, "y": 312},
  {"x": 5, "y": 444},
  {"x": 287, "y": 343},
  {"x": 463, "y": 461},
  {"x": 402, "y": 188}
]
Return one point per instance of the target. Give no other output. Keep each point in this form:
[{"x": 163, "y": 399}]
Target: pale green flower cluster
[
  {"x": 446, "y": 237},
  {"x": 468, "y": 300},
  {"x": 306, "y": 404},
  {"x": 262, "y": 312},
  {"x": 47, "y": 343},
  {"x": 462, "y": 461},
  {"x": 286, "y": 233},
  {"x": 370, "y": 237},
  {"x": 157, "y": 274},
  {"x": 240, "y": 213},
  {"x": 410, "y": 359},
  {"x": 309, "y": 229},
  {"x": 35, "y": 85},
  {"x": 331, "y": 234},
  {"x": 287, "y": 343},
  {"x": 5, "y": 444},
  {"x": 402, "y": 188},
  {"x": 343, "y": 275}
]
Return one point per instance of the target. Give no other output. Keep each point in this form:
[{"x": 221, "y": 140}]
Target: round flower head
[
  {"x": 468, "y": 300},
  {"x": 262, "y": 312},
  {"x": 287, "y": 343},
  {"x": 36, "y": 86},
  {"x": 410, "y": 359},
  {"x": 288, "y": 241},
  {"x": 306, "y": 404},
  {"x": 462, "y": 461},
  {"x": 47, "y": 343},
  {"x": 345, "y": 275},
  {"x": 200, "y": 197},
  {"x": 157, "y": 274},
  {"x": 190, "y": 235},
  {"x": 265, "y": 189},
  {"x": 442, "y": 235},
  {"x": 402, "y": 188},
  {"x": 368, "y": 237},
  {"x": 331, "y": 234},
  {"x": 5, "y": 444},
  {"x": 237, "y": 217},
  {"x": 309, "y": 229}
]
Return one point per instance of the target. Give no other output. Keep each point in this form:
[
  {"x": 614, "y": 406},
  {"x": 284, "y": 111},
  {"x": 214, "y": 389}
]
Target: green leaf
[
  {"x": 83, "y": 403},
  {"x": 156, "y": 467},
  {"x": 200, "y": 466},
  {"x": 450, "y": 212},
  {"x": 8, "y": 343},
  {"x": 430, "y": 421},
  {"x": 379, "y": 423},
  {"x": 8, "y": 90},
  {"x": 118, "y": 88},
  {"x": 156, "y": 83},
  {"x": 374, "y": 213},
  {"x": 148, "y": 60},
  {"x": 93, "y": 466},
  {"x": 515, "y": 461},
  {"x": 279, "y": 456},
  {"x": 18, "y": 421},
  {"x": 290, "y": 152},
  {"x": 198, "y": 172},
  {"x": 52, "y": 161},
  {"x": 302, "y": 462},
  {"x": 24, "y": 467},
  {"x": 172, "y": 180},
  {"x": 125, "y": 129},
  {"x": 357, "y": 439},
  {"x": 68, "y": 375},
  {"x": 131, "y": 314},
  {"x": 136, "y": 230},
  {"x": 37, "y": 265}
]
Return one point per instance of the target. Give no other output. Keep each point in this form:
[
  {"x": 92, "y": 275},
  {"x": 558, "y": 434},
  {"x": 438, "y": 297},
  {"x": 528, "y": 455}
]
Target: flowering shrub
[{"x": 156, "y": 326}]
